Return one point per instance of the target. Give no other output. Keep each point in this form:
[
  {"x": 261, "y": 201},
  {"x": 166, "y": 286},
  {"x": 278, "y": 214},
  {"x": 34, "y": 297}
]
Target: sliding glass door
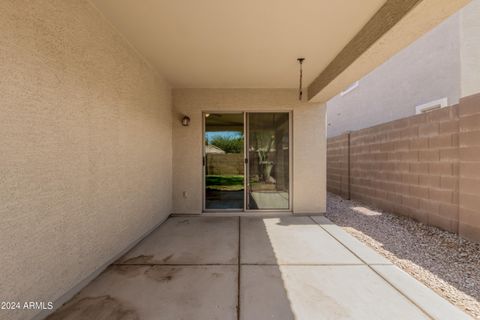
[
  {"x": 223, "y": 160},
  {"x": 258, "y": 179},
  {"x": 268, "y": 182}
]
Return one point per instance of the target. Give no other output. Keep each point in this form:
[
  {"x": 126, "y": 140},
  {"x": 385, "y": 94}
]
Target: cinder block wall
[
  {"x": 469, "y": 175},
  {"x": 224, "y": 164},
  {"x": 338, "y": 165},
  {"x": 426, "y": 167}
]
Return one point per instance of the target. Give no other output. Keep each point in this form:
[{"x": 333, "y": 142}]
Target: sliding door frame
[
  {"x": 204, "y": 156},
  {"x": 246, "y": 162},
  {"x": 290, "y": 162}
]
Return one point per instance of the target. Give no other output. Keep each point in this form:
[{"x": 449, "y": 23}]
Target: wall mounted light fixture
[{"x": 185, "y": 121}]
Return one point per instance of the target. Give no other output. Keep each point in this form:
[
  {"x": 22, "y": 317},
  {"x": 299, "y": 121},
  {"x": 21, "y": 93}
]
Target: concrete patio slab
[
  {"x": 189, "y": 240},
  {"x": 320, "y": 292},
  {"x": 425, "y": 298},
  {"x": 290, "y": 240},
  {"x": 156, "y": 292},
  {"x": 365, "y": 253},
  {"x": 291, "y": 268}
]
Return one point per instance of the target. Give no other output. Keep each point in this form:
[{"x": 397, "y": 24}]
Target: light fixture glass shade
[{"x": 185, "y": 121}]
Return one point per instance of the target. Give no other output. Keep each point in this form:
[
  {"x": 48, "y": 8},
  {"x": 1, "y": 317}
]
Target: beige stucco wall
[
  {"x": 309, "y": 142},
  {"x": 427, "y": 70},
  {"x": 470, "y": 49},
  {"x": 443, "y": 63},
  {"x": 85, "y": 145}
]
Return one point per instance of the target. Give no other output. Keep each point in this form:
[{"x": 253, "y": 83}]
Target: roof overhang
[
  {"x": 396, "y": 25},
  {"x": 255, "y": 44}
]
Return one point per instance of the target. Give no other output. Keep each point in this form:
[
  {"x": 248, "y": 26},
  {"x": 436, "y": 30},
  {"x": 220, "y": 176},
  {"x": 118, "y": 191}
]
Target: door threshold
[{"x": 247, "y": 214}]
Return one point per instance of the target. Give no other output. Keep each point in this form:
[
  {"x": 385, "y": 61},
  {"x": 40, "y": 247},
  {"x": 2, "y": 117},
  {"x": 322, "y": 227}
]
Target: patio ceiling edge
[{"x": 393, "y": 27}]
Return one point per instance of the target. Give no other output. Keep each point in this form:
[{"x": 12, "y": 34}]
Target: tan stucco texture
[
  {"x": 309, "y": 143},
  {"x": 85, "y": 147}
]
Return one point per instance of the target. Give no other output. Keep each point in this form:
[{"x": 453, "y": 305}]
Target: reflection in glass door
[
  {"x": 268, "y": 147},
  {"x": 224, "y": 161}
]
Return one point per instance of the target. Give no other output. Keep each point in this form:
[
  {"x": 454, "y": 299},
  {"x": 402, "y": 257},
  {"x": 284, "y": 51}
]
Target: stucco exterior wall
[
  {"x": 427, "y": 70},
  {"x": 470, "y": 48},
  {"x": 309, "y": 142},
  {"x": 85, "y": 144}
]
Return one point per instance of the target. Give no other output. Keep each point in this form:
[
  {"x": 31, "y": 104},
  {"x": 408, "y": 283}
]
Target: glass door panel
[
  {"x": 268, "y": 161},
  {"x": 224, "y": 161}
]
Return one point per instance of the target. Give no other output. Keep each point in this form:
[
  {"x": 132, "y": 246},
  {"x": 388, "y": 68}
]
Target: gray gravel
[{"x": 441, "y": 260}]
